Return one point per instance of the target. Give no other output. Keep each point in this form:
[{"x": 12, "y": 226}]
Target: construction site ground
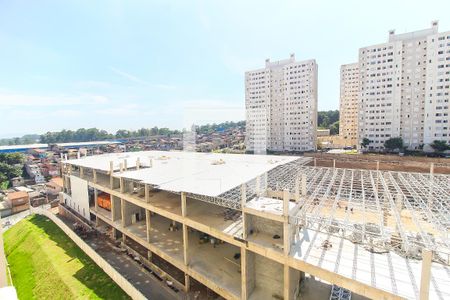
[{"x": 386, "y": 162}]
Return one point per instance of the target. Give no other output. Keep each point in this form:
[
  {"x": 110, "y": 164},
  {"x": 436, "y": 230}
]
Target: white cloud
[
  {"x": 128, "y": 76},
  {"x": 138, "y": 80},
  {"x": 16, "y": 99}
]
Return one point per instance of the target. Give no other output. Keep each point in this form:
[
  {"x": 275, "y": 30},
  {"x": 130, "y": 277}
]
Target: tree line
[
  {"x": 94, "y": 134},
  {"x": 24, "y": 140}
]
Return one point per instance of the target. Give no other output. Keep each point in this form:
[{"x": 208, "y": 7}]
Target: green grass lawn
[{"x": 46, "y": 264}]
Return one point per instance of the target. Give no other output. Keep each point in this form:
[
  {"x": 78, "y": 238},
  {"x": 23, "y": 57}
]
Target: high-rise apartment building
[
  {"x": 281, "y": 106},
  {"x": 348, "y": 111},
  {"x": 404, "y": 86}
]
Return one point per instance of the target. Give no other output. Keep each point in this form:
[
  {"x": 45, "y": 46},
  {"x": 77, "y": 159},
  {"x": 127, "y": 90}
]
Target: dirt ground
[{"x": 387, "y": 162}]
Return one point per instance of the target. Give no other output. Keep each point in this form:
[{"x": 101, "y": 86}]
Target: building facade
[
  {"x": 348, "y": 107},
  {"x": 281, "y": 106},
  {"x": 403, "y": 92}
]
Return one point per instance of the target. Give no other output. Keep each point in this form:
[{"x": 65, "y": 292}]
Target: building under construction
[{"x": 261, "y": 227}]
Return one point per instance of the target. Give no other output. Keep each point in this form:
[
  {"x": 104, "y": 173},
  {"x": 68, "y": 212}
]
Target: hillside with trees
[
  {"x": 11, "y": 165},
  {"x": 94, "y": 134},
  {"x": 328, "y": 120}
]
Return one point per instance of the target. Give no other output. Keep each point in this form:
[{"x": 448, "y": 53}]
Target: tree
[
  {"x": 12, "y": 158},
  {"x": 394, "y": 143},
  {"x": 365, "y": 142},
  {"x": 327, "y": 118},
  {"x": 334, "y": 128},
  {"x": 440, "y": 146}
]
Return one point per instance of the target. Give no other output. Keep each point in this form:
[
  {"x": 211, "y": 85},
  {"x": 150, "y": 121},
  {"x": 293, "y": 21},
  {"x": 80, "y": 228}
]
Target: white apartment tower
[
  {"x": 404, "y": 89},
  {"x": 348, "y": 110},
  {"x": 281, "y": 106}
]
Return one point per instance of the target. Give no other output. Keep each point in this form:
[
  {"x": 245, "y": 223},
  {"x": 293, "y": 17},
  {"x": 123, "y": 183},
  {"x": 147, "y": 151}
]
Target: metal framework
[{"x": 382, "y": 210}]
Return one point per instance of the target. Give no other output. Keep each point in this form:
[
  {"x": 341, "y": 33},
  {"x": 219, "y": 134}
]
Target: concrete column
[
  {"x": 125, "y": 164},
  {"x": 185, "y": 245},
  {"x": 95, "y": 199},
  {"x": 147, "y": 221},
  {"x": 297, "y": 189},
  {"x": 243, "y": 202},
  {"x": 113, "y": 207},
  {"x": 149, "y": 255},
  {"x": 427, "y": 256},
  {"x": 334, "y": 164},
  {"x": 258, "y": 186},
  {"x": 151, "y": 163},
  {"x": 122, "y": 185},
  {"x": 432, "y": 169},
  {"x": 187, "y": 283},
  {"x": 81, "y": 172},
  {"x": 266, "y": 181},
  {"x": 121, "y": 167},
  {"x": 303, "y": 184},
  {"x": 247, "y": 273},
  {"x": 286, "y": 226},
  {"x": 94, "y": 172},
  {"x": 399, "y": 201},
  {"x": 378, "y": 165},
  {"x": 138, "y": 164},
  {"x": 286, "y": 196},
  {"x": 286, "y": 281},
  {"x": 147, "y": 193},
  {"x": 111, "y": 171},
  {"x": 315, "y": 162},
  {"x": 78, "y": 155},
  {"x": 183, "y": 204},
  {"x": 122, "y": 212}
]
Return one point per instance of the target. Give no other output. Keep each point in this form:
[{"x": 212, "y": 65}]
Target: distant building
[
  {"x": 281, "y": 106},
  {"x": 323, "y": 132},
  {"x": 18, "y": 201},
  {"x": 54, "y": 186},
  {"x": 17, "y": 181},
  {"x": 348, "y": 108},
  {"x": 34, "y": 172},
  {"x": 404, "y": 89}
]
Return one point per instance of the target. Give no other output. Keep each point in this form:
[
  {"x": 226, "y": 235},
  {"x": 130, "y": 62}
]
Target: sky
[{"x": 129, "y": 64}]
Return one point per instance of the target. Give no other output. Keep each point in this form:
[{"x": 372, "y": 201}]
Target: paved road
[
  {"x": 9, "y": 221},
  {"x": 146, "y": 283}
]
